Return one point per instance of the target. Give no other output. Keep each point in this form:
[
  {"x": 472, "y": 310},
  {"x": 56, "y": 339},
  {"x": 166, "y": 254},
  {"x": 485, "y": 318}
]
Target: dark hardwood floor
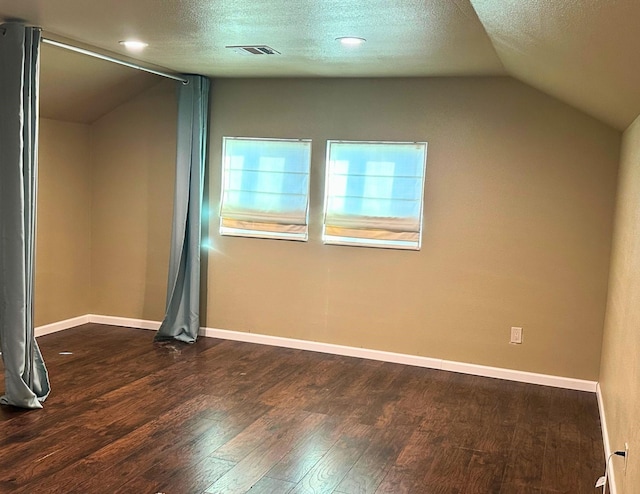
[{"x": 130, "y": 416}]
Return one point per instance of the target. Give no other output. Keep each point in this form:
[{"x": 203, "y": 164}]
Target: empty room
[{"x": 319, "y": 246}]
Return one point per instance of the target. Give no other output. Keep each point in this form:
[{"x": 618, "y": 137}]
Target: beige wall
[
  {"x": 518, "y": 219},
  {"x": 104, "y": 211},
  {"x": 134, "y": 149},
  {"x": 517, "y": 226},
  {"x": 63, "y": 255},
  {"x": 620, "y": 368}
]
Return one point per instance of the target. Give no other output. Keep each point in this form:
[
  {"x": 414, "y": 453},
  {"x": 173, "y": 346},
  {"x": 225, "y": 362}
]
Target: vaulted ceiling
[{"x": 584, "y": 52}]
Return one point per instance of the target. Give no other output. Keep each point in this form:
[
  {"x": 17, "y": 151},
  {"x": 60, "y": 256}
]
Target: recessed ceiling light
[
  {"x": 134, "y": 45},
  {"x": 350, "y": 40}
]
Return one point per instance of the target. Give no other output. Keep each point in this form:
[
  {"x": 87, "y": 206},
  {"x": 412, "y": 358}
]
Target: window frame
[
  {"x": 364, "y": 242},
  {"x": 264, "y": 234}
]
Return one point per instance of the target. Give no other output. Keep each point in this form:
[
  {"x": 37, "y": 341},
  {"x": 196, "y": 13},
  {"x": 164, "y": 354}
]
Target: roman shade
[
  {"x": 265, "y": 191},
  {"x": 374, "y": 193}
]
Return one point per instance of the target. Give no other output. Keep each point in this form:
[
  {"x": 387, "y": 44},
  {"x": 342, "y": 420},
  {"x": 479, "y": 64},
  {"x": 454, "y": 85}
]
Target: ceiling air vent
[{"x": 254, "y": 50}]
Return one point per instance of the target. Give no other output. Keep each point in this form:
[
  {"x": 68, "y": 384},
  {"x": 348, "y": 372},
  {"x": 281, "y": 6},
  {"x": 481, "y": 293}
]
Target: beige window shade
[
  {"x": 265, "y": 188},
  {"x": 374, "y": 193}
]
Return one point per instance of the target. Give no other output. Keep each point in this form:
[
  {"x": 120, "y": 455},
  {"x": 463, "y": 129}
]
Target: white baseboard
[
  {"x": 61, "y": 325},
  {"x": 125, "y": 321},
  {"x": 605, "y": 439},
  {"x": 401, "y": 358},
  {"x": 520, "y": 376},
  {"x": 315, "y": 346}
]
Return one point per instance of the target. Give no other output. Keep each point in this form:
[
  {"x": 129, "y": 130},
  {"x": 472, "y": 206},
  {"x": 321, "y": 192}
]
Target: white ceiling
[{"x": 585, "y": 52}]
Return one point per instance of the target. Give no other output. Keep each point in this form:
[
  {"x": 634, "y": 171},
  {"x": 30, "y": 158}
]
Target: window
[
  {"x": 373, "y": 193},
  {"x": 265, "y": 187}
]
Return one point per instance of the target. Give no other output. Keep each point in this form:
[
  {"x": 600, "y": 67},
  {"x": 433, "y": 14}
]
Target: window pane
[
  {"x": 265, "y": 187},
  {"x": 374, "y": 193}
]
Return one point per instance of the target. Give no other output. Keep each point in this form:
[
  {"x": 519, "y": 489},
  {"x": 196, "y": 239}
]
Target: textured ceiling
[
  {"x": 581, "y": 51},
  {"x": 405, "y": 37},
  {"x": 584, "y": 52}
]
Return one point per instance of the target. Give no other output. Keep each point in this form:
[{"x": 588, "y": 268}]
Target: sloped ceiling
[
  {"x": 584, "y": 52},
  {"x": 581, "y": 51}
]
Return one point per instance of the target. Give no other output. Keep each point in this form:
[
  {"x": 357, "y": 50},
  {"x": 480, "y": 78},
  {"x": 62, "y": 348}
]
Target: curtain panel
[
  {"x": 26, "y": 379},
  {"x": 182, "y": 318}
]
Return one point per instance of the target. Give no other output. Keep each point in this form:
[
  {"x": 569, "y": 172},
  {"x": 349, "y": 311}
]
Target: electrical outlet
[
  {"x": 626, "y": 457},
  {"x": 516, "y": 336}
]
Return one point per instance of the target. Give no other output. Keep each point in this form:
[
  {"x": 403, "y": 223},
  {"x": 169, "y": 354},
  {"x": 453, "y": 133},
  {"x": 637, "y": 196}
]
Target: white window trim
[
  {"x": 279, "y": 232},
  {"x": 373, "y": 243}
]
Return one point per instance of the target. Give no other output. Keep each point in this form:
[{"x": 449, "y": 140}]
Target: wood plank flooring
[{"x": 130, "y": 416}]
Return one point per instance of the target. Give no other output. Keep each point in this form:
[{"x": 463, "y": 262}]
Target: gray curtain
[
  {"x": 26, "y": 379},
  {"x": 182, "y": 318}
]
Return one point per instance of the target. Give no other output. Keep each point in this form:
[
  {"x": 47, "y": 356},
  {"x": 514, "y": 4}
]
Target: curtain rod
[{"x": 114, "y": 60}]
